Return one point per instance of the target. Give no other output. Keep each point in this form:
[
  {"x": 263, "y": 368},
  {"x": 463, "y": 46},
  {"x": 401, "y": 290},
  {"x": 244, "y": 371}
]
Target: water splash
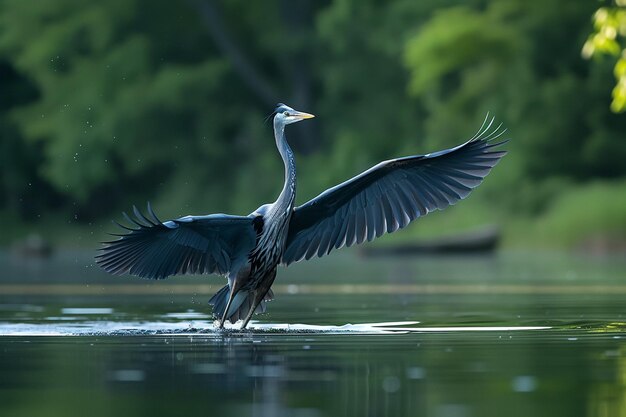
[{"x": 205, "y": 327}]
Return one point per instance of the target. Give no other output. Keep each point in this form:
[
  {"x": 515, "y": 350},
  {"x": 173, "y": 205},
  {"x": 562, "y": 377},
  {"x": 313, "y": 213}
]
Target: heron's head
[{"x": 286, "y": 115}]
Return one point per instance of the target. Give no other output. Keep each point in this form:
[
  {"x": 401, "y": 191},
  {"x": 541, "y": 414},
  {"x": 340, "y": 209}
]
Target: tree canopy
[{"x": 112, "y": 103}]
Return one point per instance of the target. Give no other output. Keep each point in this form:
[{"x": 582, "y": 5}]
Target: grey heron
[{"x": 248, "y": 249}]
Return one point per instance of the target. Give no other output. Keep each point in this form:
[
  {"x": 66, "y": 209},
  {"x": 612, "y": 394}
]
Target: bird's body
[{"x": 249, "y": 249}]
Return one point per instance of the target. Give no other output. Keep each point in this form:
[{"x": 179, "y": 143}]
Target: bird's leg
[
  {"x": 259, "y": 295},
  {"x": 235, "y": 286},
  {"x": 230, "y": 300}
]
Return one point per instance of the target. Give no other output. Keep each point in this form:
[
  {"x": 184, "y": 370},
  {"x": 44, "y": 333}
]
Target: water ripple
[{"x": 199, "y": 327}]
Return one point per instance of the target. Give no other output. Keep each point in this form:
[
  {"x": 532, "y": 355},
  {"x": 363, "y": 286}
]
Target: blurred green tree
[
  {"x": 610, "y": 25},
  {"x": 136, "y": 98},
  {"x": 518, "y": 58},
  {"x": 19, "y": 159},
  {"x": 139, "y": 100}
]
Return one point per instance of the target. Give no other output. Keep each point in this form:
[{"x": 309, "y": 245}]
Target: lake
[{"x": 515, "y": 333}]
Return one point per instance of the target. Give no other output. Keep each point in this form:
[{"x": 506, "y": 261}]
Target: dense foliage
[
  {"x": 105, "y": 104},
  {"x": 609, "y": 30}
]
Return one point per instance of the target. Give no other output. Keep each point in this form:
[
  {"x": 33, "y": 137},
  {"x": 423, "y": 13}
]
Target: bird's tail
[{"x": 241, "y": 305}]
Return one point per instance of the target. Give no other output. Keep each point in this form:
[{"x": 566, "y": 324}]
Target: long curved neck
[{"x": 286, "y": 199}]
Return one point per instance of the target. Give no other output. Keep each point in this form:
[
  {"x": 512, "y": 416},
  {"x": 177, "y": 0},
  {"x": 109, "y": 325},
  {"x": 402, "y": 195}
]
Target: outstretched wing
[
  {"x": 390, "y": 195},
  {"x": 188, "y": 245}
]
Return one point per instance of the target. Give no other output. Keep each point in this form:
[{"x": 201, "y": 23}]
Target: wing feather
[
  {"x": 390, "y": 195},
  {"x": 188, "y": 245}
]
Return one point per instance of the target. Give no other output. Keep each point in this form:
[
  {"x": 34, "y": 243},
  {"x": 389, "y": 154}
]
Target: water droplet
[
  {"x": 391, "y": 384},
  {"x": 524, "y": 383},
  {"x": 415, "y": 372},
  {"x": 128, "y": 375}
]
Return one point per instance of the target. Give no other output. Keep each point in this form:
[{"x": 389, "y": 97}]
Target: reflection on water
[
  {"x": 519, "y": 334},
  {"x": 287, "y": 374}
]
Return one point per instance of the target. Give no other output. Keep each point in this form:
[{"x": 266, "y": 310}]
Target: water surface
[{"x": 515, "y": 333}]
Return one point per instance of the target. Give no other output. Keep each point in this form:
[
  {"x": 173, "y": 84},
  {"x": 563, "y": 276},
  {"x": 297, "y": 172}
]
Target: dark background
[{"x": 108, "y": 104}]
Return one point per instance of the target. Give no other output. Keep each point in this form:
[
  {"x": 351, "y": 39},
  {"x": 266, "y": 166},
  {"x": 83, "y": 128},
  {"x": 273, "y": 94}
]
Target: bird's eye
[{"x": 286, "y": 113}]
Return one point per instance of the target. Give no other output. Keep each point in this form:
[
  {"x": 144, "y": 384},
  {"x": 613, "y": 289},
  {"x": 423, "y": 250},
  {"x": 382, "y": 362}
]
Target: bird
[{"x": 249, "y": 249}]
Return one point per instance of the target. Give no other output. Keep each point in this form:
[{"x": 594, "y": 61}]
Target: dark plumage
[{"x": 248, "y": 249}]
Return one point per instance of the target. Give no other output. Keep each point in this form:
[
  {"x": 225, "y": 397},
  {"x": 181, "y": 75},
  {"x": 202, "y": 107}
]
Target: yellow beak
[{"x": 303, "y": 115}]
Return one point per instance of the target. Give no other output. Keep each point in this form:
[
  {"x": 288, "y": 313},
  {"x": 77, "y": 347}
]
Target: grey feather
[
  {"x": 390, "y": 195},
  {"x": 199, "y": 244}
]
